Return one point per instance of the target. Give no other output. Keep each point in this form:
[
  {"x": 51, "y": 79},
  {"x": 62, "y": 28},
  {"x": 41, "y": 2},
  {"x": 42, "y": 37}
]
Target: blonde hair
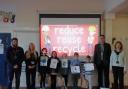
[{"x": 31, "y": 49}]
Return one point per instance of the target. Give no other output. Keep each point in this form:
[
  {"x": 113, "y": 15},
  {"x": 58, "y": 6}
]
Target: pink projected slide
[{"x": 69, "y": 38}]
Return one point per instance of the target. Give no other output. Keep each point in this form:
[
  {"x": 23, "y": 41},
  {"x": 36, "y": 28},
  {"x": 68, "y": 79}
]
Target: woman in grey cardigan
[{"x": 118, "y": 66}]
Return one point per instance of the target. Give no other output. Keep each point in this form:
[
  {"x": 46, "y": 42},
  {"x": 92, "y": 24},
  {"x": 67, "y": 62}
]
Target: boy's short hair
[
  {"x": 44, "y": 49},
  {"x": 76, "y": 53}
]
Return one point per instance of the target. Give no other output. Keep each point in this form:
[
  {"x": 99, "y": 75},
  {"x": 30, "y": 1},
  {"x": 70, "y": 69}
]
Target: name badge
[
  {"x": 32, "y": 62},
  {"x": 117, "y": 62}
]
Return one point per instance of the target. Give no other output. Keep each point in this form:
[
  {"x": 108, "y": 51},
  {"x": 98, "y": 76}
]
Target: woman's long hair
[{"x": 31, "y": 50}]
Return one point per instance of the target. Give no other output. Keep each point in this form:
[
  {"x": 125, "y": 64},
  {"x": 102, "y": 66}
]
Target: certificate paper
[
  {"x": 89, "y": 66},
  {"x": 64, "y": 63},
  {"x": 43, "y": 61},
  {"x": 53, "y": 63},
  {"x": 75, "y": 69}
]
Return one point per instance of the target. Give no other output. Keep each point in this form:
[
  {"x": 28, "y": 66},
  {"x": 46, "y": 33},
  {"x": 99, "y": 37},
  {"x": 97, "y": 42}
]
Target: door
[{"x": 5, "y": 41}]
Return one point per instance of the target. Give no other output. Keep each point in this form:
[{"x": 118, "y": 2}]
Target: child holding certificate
[
  {"x": 65, "y": 68},
  {"x": 89, "y": 69},
  {"x": 75, "y": 69},
  {"x": 53, "y": 65},
  {"x": 43, "y": 67}
]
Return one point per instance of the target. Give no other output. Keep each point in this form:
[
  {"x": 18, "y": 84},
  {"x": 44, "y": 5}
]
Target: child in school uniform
[
  {"x": 88, "y": 70},
  {"x": 43, "y": 67},
  {"x": 75, "y": 70},
  {"x": 65, "y": 69},
  {"x": 54, "y": 66}
]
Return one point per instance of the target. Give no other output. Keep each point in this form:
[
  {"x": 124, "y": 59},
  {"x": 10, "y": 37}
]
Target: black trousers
[
  {"x": 118, "y": 73},
  {"x": 30, "y": 78},
  {"x": 11, "y": 73},
  {"x": 43, "y": 77},
  {"x": 65, "y": 79},
  {"x": 75, "y": 78},
  {"x": 103, "y": 76},
  {"x": 53, "y": 81}
]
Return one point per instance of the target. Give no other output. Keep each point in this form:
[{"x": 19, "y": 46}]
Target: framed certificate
[
  {"x": 75, "y": 69},
  {"x": 64, "y": 63},
  {"x": 89, "y": 66},
  {"x": 53, "y": 63},
  {"x": 43, "y": 61}
]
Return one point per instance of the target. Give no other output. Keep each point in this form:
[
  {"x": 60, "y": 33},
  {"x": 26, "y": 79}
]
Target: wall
[
  {"x": 112, "y": 4},
  {"x": 27, "y": 16},
  {"x": 27, "y": 12},
  {"x": 117, "y": 26},
  {"x": 120, "y": 30},
  {"x": 120, "y": 26}
]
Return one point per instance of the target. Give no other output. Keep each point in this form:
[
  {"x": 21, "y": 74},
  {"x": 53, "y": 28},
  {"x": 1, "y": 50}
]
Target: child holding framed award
[
  {"x": 54, "y": 66},
  {"x": 88, "y": 70},
  {"x": 75, "y": 69},
  {"x": 43, "y": 67},
  {"x": 65, "y": 69}
]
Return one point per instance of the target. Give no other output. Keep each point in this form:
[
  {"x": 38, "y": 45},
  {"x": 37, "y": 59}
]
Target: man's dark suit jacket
[{"x": 106, "y": 55}]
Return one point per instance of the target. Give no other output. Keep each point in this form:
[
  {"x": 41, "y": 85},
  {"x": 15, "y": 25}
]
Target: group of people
[
  {"x": 45, "y": 65},
  {"x": 104, "y": 59},
  {"x": 107, "y": 61}
]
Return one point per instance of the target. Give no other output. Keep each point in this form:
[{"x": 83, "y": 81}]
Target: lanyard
[{"x": 117, "y": 61}]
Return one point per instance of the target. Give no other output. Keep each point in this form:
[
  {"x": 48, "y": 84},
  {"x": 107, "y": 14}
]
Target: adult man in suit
[{"x": 102, "y": 54}]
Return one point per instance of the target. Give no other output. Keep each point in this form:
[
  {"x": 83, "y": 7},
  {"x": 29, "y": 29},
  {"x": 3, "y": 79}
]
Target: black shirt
[
  {"x": 32, "y": 61},
  {"x": 15, "y": 56}
]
